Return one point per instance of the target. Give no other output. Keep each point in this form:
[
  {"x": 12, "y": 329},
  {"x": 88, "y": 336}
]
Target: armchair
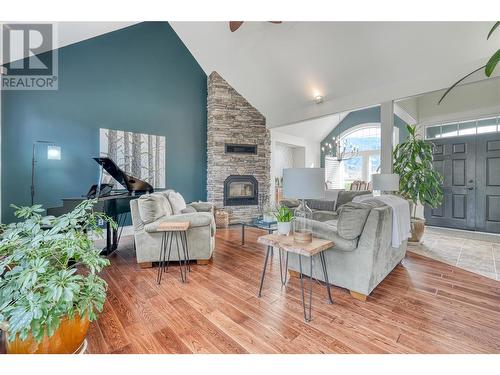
[{"x": 150, "y": 210}]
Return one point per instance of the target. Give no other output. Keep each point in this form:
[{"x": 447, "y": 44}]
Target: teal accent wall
[
  {"x": 141, "y": 79},
  {"x": 363, "y": 116}
]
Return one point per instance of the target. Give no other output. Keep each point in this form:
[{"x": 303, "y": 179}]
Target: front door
[
  {"x": 471, "y": 169},
  {"x": 454, "y": 158},
  {"x": 488, "y": 183}
]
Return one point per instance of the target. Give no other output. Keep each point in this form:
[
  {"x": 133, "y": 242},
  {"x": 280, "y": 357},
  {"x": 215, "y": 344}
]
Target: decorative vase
[
  {"x": 284, "y": 228},
  {"x": 417, "y": 230},
  {"x": 268, "y": 217},
  {"x": 302, "y": 225},
  {"x": 67, "y": 339}
]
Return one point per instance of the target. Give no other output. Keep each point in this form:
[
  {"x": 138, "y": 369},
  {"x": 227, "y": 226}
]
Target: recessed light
[{"x": 318, "y": 99}]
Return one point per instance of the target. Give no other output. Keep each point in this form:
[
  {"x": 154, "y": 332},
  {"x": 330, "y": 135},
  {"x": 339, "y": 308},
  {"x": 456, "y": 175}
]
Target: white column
[{"x": 386, "y": 136}]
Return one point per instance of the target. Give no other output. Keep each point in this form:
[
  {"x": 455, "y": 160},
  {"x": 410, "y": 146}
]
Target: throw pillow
[
  {"x": 188, "y": 210},
  {"x": 321, "y": 204},
  {"x": 151, "y": 207},
  {"x": 346, "y": 196},
  {"x": 177, "y": 202},
  {"x": 166, "y": 204},
  {"x": 352, "y": 218}
]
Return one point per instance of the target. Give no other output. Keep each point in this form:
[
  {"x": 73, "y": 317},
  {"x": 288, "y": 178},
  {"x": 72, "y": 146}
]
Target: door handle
[{"x": 470, "y": 185}]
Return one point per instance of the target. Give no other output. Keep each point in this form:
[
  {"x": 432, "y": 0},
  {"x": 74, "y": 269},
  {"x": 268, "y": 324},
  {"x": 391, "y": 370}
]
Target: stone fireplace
[
  {"x": 241, "y": 191},
  {"x": 239, "y": 151}
]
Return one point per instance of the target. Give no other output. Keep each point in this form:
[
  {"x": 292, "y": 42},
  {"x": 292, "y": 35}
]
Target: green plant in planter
[
  {"x": 49, "y": 270},
  {"x": 419, "y": 182},
  {"x": 283, "y": 214}
]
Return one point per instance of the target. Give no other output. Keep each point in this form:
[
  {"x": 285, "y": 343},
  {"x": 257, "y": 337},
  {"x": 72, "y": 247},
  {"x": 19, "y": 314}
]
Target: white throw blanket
[{"x": 401, "y": 226}]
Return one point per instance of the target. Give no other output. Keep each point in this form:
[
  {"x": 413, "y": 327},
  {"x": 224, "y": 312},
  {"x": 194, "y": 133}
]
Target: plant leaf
[
  {"x": 492, "y": 63},
  {"x": 460, "y": 80},
  {"x": 493, "y": 29}
]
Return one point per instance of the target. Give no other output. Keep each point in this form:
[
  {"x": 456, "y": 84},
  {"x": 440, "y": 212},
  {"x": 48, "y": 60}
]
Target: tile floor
[{"x": 474, "y": 255}]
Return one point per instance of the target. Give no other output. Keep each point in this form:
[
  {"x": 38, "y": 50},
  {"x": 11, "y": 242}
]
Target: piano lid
[{"x": 131, "y": 183}]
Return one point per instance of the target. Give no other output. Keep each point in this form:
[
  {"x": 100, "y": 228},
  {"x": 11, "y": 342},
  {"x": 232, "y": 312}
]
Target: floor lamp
[{"x": 53, "y": 153}]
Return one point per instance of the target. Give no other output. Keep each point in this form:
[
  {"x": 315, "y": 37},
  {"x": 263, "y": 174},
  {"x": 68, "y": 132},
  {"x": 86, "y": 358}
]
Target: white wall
[
  {"x": 464, "y": 102},
  {"x": 283, "y": 157},
  {"x": 407, "y": 110},
  {"x": 303, "y": 153}
]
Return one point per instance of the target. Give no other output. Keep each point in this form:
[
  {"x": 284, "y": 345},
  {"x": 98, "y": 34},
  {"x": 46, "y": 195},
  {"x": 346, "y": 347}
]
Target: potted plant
[
  {"x": 419, "y": 182},
  {"x": 284, "y": 218},
  {"x": 49, "y": 284}
]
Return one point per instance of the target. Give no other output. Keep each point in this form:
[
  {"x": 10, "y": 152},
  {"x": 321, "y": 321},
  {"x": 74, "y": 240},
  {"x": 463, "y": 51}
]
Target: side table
[
  {"x": 308, "y": 250},
  {"x": 179, "y": 230}
]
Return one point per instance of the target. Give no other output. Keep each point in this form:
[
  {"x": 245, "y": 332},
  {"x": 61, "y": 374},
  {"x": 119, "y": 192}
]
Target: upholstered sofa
[
  {"x": 326, "y": 209},
  {"x": 150, "y": 210},
  {"x": 362, "y": 255}
]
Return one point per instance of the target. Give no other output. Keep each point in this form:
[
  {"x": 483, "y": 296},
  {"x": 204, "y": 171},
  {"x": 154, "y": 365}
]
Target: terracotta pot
[
  {"x": 417, "y": 230},
  {"x": 65, "y": 340}
]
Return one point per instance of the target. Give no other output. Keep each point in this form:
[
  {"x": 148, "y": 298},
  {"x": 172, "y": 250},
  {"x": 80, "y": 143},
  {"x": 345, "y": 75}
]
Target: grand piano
[{"x": 115, "y": 204}]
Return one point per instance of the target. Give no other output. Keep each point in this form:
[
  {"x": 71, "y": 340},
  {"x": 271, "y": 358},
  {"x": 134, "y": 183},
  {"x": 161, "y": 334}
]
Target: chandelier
[{"x": 340, "y": 149}]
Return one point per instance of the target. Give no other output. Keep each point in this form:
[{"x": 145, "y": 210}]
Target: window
[
  {"x": 487, "y": 125},
  {"x": 340, "y": 175},
  {"x": 469, "y": 127}
]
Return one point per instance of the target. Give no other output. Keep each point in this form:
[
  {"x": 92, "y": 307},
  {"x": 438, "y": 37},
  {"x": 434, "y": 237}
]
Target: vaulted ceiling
[
  {"x": 73, "y": 32},
  {"x": 280, "y": 68}
]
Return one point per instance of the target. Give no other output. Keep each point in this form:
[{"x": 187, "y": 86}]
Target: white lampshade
[
  {"x": 53, "y": 153},
  {"x": 304, "y": 183},
  {"x": 385, "y": 182}
]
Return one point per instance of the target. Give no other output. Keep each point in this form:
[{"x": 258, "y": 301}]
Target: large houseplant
[
  {"x": 419, "y": 182},
  {"x": 49, "y": 283}
]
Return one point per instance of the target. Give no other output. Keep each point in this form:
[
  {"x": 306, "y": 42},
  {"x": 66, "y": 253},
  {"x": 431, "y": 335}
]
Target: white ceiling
[
  {"x": 314, "y": 129},
  {"x": 280, "y": 68},
  {"x": 74, "y": 32}
]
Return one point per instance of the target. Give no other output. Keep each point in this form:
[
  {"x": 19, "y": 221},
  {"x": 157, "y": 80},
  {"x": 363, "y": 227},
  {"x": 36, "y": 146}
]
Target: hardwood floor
[{"x": 423, "y": 306}]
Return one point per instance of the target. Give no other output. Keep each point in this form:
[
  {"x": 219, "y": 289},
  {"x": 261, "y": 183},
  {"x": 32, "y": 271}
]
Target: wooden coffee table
[{"x": 308, "y": 250}]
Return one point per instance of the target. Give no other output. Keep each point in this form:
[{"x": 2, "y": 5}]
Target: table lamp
[
  {"x": 303, "y": 183},
  {"x": 385, "y": 183},
  {"x": 53, "y": 153}
]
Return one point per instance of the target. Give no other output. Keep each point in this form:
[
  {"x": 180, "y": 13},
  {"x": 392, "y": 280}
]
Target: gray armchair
[
  {"x": 155, "y": 209},
  {"x": 357, "y": 263}
]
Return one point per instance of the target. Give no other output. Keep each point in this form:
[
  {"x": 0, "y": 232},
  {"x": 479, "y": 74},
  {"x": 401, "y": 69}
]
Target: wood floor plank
[
  {"x": 199, "y": 322},
  {"x": 423, "y": 306}
]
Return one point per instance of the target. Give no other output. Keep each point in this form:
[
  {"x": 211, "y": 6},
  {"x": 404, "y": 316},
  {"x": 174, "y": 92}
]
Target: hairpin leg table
[
  {"x": 309, "y": 250},
  {"x": 169, "y": 231}
]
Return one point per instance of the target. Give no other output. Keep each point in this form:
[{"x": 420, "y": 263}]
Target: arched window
[{"x": 366, "y": 138}]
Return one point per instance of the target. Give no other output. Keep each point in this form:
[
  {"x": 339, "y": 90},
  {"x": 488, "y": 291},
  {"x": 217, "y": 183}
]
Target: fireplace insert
[{"x": 241, "y": 191}]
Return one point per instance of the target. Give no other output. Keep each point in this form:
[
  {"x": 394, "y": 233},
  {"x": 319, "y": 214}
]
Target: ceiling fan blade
[{"x": 235, "y": 25}]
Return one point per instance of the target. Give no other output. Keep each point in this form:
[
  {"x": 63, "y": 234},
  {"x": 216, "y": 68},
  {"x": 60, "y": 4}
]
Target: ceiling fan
[{"x": 235, "y": 25}]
